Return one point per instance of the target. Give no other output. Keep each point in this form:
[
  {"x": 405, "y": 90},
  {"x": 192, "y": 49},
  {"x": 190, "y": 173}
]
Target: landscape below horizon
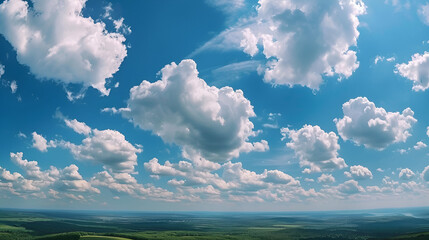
[{"x": 16, "y": 224}]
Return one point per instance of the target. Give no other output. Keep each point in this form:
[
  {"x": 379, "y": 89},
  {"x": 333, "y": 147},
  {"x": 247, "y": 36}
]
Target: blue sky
[{"x": 214, "y": 105}]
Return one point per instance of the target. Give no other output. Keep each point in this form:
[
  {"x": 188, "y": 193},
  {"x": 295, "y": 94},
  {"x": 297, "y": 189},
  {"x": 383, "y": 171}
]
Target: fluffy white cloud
[
  {"x": 406, "y": 174},
  {"x": 279, "y": 177},
  {"x": 71, "y": 180},
  {"x": 365, "y": 124},
  {"x": 31, "y": 168},
  {"x": 423, "y": 12},
  {"x": 79, "y": 127},
  {"x": 39, "y": 142},
  {"x": 7, "y": 176},
  {"x": 182, "y": 109},
  {"x": 416, "y": 70},
  {"x": 315, "y": 148},
  {"x": 359, "y": 172},
  {"x": 350, "y": 187},
  {"x": 167, "y": 169},
  {"x": 326, "y": 178},
  {"x": 419, "y": 145},
  {"x": 57, "y": 42},
  {"x": 303, "y": 40},
  {"x": 108, "y": 147},
  {"x": 37, "y": 181},
  {"x": 125, "y": 183}
]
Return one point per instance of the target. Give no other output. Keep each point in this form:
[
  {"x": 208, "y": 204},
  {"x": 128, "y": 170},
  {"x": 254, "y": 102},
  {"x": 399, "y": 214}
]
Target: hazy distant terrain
[{"x": 378, "y": 224}]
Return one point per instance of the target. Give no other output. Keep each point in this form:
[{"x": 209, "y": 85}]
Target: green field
[
  {"x": 50, "y": 225},
  {"x": 102, "y": 238}
]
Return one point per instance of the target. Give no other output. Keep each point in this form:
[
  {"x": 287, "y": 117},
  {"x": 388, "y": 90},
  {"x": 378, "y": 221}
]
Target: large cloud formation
[
  {"x": 315, "y": 148},
  {"x": 182, "y": 109},
  {"x": 416, "y": 70},
  {"x": 365, "y": 124},
  {"x": 305, "y": 40},
  {"x": 54, "y": 39}
]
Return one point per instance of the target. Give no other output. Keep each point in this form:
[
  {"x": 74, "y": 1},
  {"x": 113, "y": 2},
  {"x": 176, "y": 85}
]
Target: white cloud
[
  {"x": 391, "y": 59},
  {"x": 326, "y": 179},
  {"x": 228, "y": 6},
  {"x": 120, "y": 26},
  {"x": 419, "y": 145},
  {"x": 2, "y": 70},
  {"x": 423, "y": 12},
  {"x": 71, "y": 180},
  {"x": 425, "y": 174},
  {"x": 315, "y": 148},
  {"x": 165, "y": 170},
  {"x": 380, "y": 170},
  {"x": 32, "y": 169},
  {"x": 303, "y": 41},
  {"x": 125, "y": 183},
  {"x": 57, "y": 42},
  {"x": 39, "y": 142},
  {"x": 359, "y": 172},
  {"x": 279, "y": 177},
  {"x": 416, "y": 70},
  {"x": 406, "y": 174},
  {"x": 365, "y": 124},
  {"x": 79, "y": 127},
  {"x": 350, "y": 187},
  {"x": 378, "y": 59},
  {"x": 382, "y": 58},
  {"x": 13, "y": 86},
  {"x": 7, "y": 176},
  {"x": 182, "y": 109},
  {"x": 35, "y": 180},
  {"x": 108, "y": 147}
]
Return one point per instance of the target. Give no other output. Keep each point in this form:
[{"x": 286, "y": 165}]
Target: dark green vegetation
[{"x": 67, "y": 225}]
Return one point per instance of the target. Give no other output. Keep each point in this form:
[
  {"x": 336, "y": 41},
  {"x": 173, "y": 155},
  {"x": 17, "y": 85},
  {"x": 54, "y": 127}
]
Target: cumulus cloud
[
  {"x": 182, "y": 109},
  {"x": 406, "y": 174},
  {"x": 365, "y": 124},
  {"x": 303, "y": 41},
  {"x": 36, "y": 181},
  {"x": 359, "y": 172},
  {"x": 125, "y": 183},
  {"x": 40, "y": 143},
  {"x": 315, "y": 148},
  {"x": 326, "y": 178},
  {"x": 416, "y": 70},
  {"x": 108, "y": 147},
  {"x": 350, "y": 187},
  {"x": 54, "y": 39}
]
